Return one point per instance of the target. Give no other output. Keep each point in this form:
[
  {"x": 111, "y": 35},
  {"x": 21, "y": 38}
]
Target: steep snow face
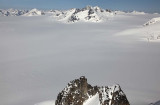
[
  {"x": 12, "y": 12},
  {"x": 34, "y": 12},
  {"x": 87, "y": 14},
  {"x": 93, "y": 100},
  {"x": 152, "y": 21}
]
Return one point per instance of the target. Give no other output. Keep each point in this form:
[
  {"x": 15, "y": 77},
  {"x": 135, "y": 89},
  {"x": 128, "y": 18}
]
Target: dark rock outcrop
[{"x": 78, "y": 91}]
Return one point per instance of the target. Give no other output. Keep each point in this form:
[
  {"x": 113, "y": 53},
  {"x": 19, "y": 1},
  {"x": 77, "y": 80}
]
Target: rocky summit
[{"x": 78, "y": 91}]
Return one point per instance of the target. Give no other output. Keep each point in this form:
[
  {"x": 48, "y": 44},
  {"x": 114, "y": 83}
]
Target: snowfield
[{"x": 40, "y": 55}]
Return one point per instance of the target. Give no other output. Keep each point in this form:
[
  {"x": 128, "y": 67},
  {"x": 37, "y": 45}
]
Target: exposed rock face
[{"x": 78, "y": 91}]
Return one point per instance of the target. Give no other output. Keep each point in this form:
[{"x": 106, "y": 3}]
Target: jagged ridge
[
  {"x": 78, "y": 91},
  {"x": 12, "y": 12},
  {"x": 15, "y": 12},
  {"x": 34, "y": 12},
  {"x": 87, "y": 14}
]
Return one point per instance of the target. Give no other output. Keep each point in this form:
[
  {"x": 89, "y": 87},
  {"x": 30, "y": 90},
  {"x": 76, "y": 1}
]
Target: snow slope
[
  {"x": 152, "y": 21},
  {"x": 39, "y": 56},
  {"x": 93, "y": 100},
  {"x": 150, "y": 32}
]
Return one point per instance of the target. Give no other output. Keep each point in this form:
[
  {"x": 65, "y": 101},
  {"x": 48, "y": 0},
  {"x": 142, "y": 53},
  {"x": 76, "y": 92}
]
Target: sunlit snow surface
[
  {"x": 39, "y": 56},
  {"x": 93, "y": 100}
]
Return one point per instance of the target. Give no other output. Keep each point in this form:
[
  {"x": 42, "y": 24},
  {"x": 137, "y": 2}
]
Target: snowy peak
[
  {"x": 79, "y": 92},
  {"x": 34, "y": 12},
  {"x": 152, "y": 21},
  {"x": 87, "y": 14}
]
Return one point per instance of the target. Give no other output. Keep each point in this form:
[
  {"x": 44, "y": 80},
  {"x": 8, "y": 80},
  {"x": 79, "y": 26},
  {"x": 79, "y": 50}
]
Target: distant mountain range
[{"x": 87, "y": 14}]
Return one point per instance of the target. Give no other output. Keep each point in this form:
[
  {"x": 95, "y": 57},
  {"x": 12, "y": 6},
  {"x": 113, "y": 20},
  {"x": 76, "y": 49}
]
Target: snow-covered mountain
[
  {"x": 79, "y": 92},
  {"x": 152, "y": 21},
  {"x": 12, "y": 12},
  {"x": 34, "y": 12},
  {"x": 87, "y": 14}
]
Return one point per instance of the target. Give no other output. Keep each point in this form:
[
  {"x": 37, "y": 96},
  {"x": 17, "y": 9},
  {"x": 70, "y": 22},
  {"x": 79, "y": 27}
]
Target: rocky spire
[{"x": 78, "y": 91}]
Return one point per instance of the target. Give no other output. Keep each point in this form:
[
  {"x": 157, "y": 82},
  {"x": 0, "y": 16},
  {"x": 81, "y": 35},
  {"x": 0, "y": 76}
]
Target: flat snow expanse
[{"x": 39, "y": 56}]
